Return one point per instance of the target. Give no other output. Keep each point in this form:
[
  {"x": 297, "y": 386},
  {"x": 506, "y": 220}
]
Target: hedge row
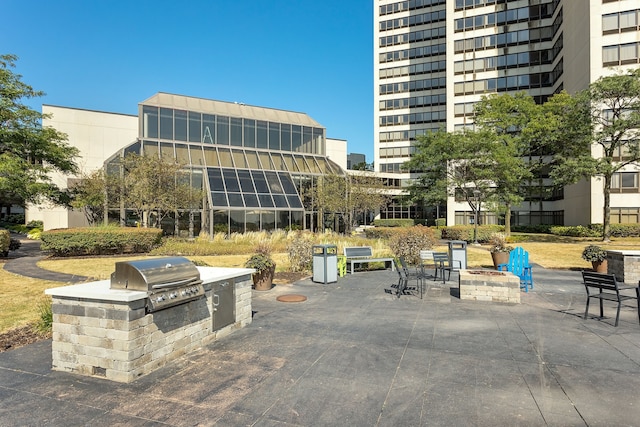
[
  {"x": 540, "y": 228},
  {"x": 465, "y": 232},
  {"x": 455, "y": 232},
  {"x": 575, "y": 231},
  {"x": 625, "y": 230},
  {"x": 394, "y": 223},
  {"x": 595, "y": 230},
  {"x": 100, "y": 241},
  {"x": 387, "y": 232}
]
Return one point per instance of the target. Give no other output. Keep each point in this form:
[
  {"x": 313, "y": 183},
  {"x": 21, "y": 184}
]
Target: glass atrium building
[{"x": 255, "y": 164}]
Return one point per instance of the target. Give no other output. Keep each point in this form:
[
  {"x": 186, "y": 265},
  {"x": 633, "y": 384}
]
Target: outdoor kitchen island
[{"x": 117, "y": 334}]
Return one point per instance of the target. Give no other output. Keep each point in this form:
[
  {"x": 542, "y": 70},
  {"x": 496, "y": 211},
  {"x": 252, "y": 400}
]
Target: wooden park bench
[
  {"x": 362, "y": 255},
  {"x": 608, "y": 289}
]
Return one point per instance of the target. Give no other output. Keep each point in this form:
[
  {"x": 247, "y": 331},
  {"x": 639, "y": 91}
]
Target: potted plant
[
  {"x": 499, "y": 249},
  {"x": 265, "y": 267},
  {"x": 597, "y": 256}
]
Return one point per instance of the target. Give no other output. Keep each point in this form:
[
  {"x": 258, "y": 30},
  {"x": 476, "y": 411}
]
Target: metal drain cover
[{"x": 291, "y": 298}]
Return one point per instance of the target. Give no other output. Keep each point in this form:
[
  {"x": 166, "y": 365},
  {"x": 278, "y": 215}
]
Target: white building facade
[{"x": 433, "y": 59}]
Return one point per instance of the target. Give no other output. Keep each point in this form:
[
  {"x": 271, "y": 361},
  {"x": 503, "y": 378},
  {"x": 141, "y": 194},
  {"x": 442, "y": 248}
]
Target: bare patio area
[{"x": 353, "y": 354}]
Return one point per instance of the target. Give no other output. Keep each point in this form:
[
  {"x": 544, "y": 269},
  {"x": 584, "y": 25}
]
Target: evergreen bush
[
  {"x": 100, "y": 240},
  {"x": 465, "y": 232},
  {"x": 575, "y": 231}
]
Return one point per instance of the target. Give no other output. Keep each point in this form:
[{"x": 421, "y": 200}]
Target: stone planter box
[
  {"x": 625, "y": 265},
  {"x": 488, "y": 285}
]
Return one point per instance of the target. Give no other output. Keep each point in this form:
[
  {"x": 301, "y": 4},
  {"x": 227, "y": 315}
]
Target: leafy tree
[
  {"x": 29, "y": 152},
  {"x": 330, "y": 195},
  {"x": 89, "y": 194},
  {"x": 346, "y": 197},
  {"x": 150, "y": 184},
  {"x": 459, "y": 164},
  {"x": 504, "y": 117},
  {"x": 366, "y": 193},
  {"x": 598, "y": 135}
]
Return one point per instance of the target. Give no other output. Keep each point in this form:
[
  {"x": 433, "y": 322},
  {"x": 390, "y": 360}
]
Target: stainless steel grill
[{"x": 169, "y": 281}]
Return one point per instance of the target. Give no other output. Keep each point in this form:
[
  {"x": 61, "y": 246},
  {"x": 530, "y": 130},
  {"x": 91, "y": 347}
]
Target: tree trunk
[
  {"x": 507, "y": 220},
  {"x": 606, "y": 227},
  {"x": 191, "y": 236}
]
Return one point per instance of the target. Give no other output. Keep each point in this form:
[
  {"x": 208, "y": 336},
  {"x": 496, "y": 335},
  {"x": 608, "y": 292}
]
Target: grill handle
[{"x": 195, "y": 281}]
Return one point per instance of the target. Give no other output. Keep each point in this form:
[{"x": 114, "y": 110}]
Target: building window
[
  {"x": 625, "y": 215},
  {"x": 629, "y": 53},
  {"x": 610, "y": 23},
  {"x": 620, "y": 22},
  {"x": 624, "y": 182}
]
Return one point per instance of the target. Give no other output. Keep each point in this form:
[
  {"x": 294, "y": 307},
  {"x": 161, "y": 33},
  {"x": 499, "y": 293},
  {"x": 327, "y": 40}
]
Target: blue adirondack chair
[{"x": 519, "y": 265}]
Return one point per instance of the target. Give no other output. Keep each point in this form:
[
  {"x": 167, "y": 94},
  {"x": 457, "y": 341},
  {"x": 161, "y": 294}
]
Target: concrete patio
[{"x": 353, "y": 354}]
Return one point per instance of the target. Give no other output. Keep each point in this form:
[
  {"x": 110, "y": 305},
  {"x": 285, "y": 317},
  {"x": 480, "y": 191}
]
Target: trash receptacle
[
  {"x": 325, "y": 263},
  {"x": 458, "y": 254}
]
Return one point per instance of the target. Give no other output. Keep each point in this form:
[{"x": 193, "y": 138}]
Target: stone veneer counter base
[
  {"x": 489, "y": 285},
  {"x": 625, "y": 265},
  {"x": 106, "y": 332}
]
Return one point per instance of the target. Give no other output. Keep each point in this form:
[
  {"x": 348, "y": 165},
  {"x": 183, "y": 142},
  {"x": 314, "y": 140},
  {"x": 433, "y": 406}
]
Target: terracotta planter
[
  {"x": 263, "y": 280},
  {"x": 499, "y": 258},
  {"x": 600, "y": 266}
]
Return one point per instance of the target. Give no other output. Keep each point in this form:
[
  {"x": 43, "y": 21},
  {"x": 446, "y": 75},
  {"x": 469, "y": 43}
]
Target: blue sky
[{"x": 300, "y": 55}]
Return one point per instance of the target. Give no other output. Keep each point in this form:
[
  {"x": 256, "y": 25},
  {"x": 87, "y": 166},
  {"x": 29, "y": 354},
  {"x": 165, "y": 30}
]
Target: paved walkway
[
  {"x": 25, "y": 260},
  {"x": 353, "y": 354}
]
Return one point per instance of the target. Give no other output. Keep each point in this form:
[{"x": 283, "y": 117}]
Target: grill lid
[{"x": 154, "y": 274}]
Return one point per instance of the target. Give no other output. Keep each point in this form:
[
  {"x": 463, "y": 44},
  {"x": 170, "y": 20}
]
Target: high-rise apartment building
[{"x": 433, "y": 59}]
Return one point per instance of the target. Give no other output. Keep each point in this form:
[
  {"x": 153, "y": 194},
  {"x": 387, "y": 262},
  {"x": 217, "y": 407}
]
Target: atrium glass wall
[
  {"x": 189, "y": 126},
  {"x": 254, "y": 172}
]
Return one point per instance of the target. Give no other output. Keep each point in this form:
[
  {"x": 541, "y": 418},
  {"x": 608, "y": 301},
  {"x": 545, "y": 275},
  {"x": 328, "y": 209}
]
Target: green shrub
[
  {"x": 441, "y": 222},
  {"x": 5, "y": 241},
  {"x": 300, "y": 250},
  {"x": 34, "y": 234},
  {"x": 16, "y": 219},
  {"x": 14, "y": 244},
  {"x": 16, "y": 228},
  {"x": 408, "y": 242},
  {"x": 393, "y": 223},
  {"x": 437, "y": 232},
  {"x": 260, "y": 262},
  {"x": 595, "y": 230},
  {"x": 594, "y": 253},
  {"x": 35, "y": 224},
  {"x": 465, "y": 232},
  {"x": 624, "y": 230},
  {"x": 45, "y": 316},
  {"x": 100, "y": 240},
  {"x": 539, "y": 228},
  {"x": 575, "y": 231}
]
